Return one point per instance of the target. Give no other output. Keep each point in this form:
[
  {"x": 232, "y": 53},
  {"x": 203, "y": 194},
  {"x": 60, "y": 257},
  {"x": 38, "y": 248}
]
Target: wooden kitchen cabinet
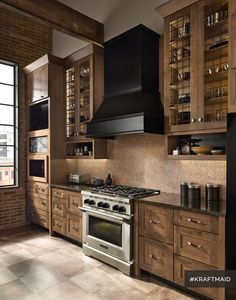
[
  {"x": 196, "y": 67},
  {"x": 192, "y": 241},
  {"x": 156, "y": 257},
  {"x": 66, "y": 213},
  {"x": 84, "y": 89},
  {"x": 38, "y": 203},
  {"x": 37, "y": 84},
  {"x": 156, "y": 222}
]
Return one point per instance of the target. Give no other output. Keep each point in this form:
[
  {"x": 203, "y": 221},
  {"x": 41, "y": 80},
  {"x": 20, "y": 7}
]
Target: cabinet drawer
[
  {"x": 196, "y": 221},
  {"x": 38, "y": 201},
  {"x": 198, "y": 245},
  {"x": 38, "y": 188},
  {"x": 182, "y": 264},
  {"x": 74, "y": 227},
  {"x": 58, "y": 206},
  {"x": 59, "y": 193},
  {"x": 156, "y": 257},
  {"x": 74, "y": 203},
  {"x": 38, "y": 217},
  {"x": 156, "y": 222},
  {"x": 59, "y": 224}
]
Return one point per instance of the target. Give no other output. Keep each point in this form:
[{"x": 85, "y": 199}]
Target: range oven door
[{"x": 108, "y": 233}]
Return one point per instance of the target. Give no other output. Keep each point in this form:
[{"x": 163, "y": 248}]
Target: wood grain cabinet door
[
  {"x": 74, "y": 227},
  {"x": 156, "y": 257},
  {"x": 40, "y": 83},
  {"x": 182, "y": 264},
  {"x": 39, "y": 201},
  {"x": 156, "y": 222},
  {"x": 59, "y": 224},
  {"x": 58, "y": 206},
  {"x": 38, "y": 217},
  {"x": 74, "y": 203},
  {"x": 198, "y": 245},
  {"x": 196, "y": 221}
]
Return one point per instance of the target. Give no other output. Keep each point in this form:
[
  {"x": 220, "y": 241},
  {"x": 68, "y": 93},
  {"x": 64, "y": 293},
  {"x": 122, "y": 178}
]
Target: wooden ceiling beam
[{"x": 60, "y": 16}]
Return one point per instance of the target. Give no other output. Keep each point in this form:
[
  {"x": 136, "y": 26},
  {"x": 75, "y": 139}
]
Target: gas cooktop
[{"x": 125, "y": 191}]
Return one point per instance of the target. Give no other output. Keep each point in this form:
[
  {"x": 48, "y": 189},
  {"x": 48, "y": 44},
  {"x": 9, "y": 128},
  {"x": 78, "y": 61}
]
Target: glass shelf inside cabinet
[
  {"x": 216, "y": 61},
  {"x": 179, "y": 69},
  {"x": 84, "y": 96},
  {"x": 70, "y": 102}
]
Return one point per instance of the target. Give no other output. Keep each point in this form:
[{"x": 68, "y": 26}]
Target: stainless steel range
[{"x": 108, "y": 221}]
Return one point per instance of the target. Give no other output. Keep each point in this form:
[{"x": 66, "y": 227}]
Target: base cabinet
[
  {"x": 194, "y": 241},
  {"x": 182, "y": 264},
  {"x": 66, "y": 214},
  {"x": 156, "y": 257},
  {"x": 38, "y": 203}
]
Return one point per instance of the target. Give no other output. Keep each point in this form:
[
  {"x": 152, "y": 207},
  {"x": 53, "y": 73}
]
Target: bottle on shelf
[{"x": 108, "y": 179}]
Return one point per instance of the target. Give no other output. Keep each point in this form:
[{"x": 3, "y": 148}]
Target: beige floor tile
[
  {"x": 27, "y": 267},
  {"x": 38, "y": 281},
  {"x": 16, "y": 290},
  {"x": 15, "y": 257},
  {"x": 6, "y": 276}
]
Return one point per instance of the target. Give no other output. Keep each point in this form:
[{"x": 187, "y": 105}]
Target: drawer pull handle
[
  {"x": 43, "y": 203},
  {"x": 154, "y": 222},
  {"x": 194, "y": 245},
  {"x": 58, "y": 224},
  {"x": 43, "y": 220},
  {"x": 75, "y": 204},
  {"x": 75, "y": 228},
  {"x": 193, "y": 221},
  {"x": 58, "y": 206},
  {"x": 154, "y": 257}
]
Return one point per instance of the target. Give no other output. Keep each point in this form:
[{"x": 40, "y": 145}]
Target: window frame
[{"x": 15, "y": 126}]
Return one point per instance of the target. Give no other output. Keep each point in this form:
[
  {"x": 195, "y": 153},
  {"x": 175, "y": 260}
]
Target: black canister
[
  {"x": 194, "y": 195},
  {"x": 184, "y": 193},
  {"x": 212, "y": 196}
]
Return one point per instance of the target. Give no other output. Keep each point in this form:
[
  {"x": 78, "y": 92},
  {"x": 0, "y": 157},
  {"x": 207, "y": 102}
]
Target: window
[{"x": 8, "y": 124}]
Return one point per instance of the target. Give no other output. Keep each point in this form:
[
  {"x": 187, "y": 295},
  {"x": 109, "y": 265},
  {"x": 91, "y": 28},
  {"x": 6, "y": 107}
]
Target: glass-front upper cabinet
[
  {"x": 180, "y": 70},
  {"x": 79, "y": 98},
  {"x": 216, "y": 63},
  {"x": 70, "y": 101}
]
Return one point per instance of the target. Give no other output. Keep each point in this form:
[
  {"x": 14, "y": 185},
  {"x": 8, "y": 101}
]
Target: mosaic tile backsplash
[{"x": 140, "y": 160}]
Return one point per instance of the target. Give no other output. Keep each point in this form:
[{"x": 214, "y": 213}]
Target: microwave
[{"x": 38, "y": 168}]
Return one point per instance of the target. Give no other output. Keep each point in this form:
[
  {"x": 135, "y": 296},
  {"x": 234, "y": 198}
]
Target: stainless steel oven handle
[{"x": 106, "y": 215}]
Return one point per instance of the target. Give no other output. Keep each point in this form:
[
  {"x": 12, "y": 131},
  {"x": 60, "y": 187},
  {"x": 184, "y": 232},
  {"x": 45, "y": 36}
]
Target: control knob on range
[
  {"x": 100, "y": 204},
  {"x": 91, "y": 202},
  {"x": 106, "y": 205},
  {"x": 86, "y": 201},
  {"x": 122, "y": 209},
  {"x": 115, "y": 207}
]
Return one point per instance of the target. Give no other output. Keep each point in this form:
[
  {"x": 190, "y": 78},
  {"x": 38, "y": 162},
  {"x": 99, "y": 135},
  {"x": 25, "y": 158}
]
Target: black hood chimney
[{"x": 131, "y": 102}]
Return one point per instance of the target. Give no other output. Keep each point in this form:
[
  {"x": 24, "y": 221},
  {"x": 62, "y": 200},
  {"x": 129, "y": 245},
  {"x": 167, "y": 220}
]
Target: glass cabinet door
[
  {"x": 85, "y": 94},
  {"x": 179, "y": 70},
  {"x": 216, "y": 63},
  {"x": 70, "y": 102}
]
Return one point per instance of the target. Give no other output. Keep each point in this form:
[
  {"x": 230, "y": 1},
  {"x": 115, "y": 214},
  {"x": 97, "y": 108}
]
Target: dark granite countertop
[
  {"x": 71, "y": 187},
  {"x": 173, "y": 201},
  {"x": 164, "y": 199}
]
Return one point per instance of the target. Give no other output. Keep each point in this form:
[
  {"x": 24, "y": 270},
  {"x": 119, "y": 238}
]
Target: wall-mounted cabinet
[
  {"x": 83, "y": 78},
  {"x": 197, "y": 66}
]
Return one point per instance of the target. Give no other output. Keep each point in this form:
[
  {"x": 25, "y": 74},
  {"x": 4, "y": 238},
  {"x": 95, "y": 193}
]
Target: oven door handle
[{"x": 125, "y": 219}]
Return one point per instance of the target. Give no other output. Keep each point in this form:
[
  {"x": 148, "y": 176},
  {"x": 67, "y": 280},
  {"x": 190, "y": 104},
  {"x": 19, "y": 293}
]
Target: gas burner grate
[{"x": 126, "y": 191}]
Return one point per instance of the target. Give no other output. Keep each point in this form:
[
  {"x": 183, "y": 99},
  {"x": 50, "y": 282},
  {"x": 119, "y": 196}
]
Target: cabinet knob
[
  {"x": 154, "y": 222},
  {"x": 194, "y": 245},
  {"x": 193, "y": 221},
  {"x": 154, "y": 257},
  {"x": 200, "y": 119},
  {"x": 193, "y": 120}
]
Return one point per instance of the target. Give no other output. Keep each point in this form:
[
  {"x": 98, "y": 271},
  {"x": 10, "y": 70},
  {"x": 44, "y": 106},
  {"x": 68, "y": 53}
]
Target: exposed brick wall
[{"x": 22, "y": 40}]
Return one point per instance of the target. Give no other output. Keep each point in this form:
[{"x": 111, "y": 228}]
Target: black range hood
[{"x": 131, "y": 102}]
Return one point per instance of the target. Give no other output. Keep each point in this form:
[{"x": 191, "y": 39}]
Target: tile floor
[{"x": 34, "y": 266}]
